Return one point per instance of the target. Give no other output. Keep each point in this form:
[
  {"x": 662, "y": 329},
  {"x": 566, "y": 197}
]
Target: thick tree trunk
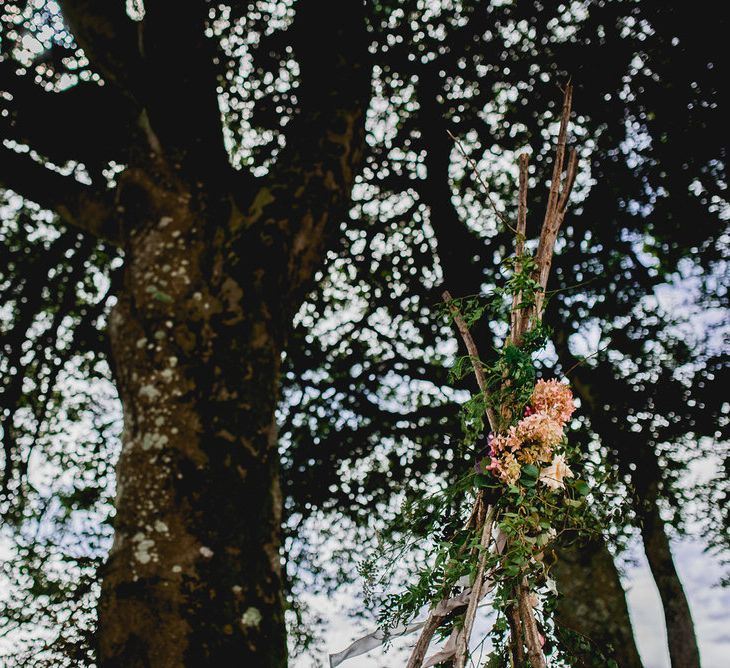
[
  {"x": 216, "y": 263},
  {"x": 593, "y": 605},
  {"x": 193, "y": 578},
  {"x": 683, "y": 649}
]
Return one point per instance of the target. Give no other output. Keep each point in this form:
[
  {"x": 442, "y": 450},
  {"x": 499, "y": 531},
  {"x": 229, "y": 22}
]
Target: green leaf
[
  {"x": 530, "y": 471},
  {"x": 582, "y": 488},
  {"x": 511, "y": 570},
  {"x": 481, "y": 480}
]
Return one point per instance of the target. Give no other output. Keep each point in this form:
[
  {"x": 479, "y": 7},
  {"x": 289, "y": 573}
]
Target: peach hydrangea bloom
[
  {"x": 553, "y": 475},
  {"x": 554, "y": 398},
  {"x": 508, "y": 442},
  {"x": 509, "y": 469},
  {"x": 533, "y": 439},
  {"x": 534, "y": 454},
  {"x": 540, "y": 428}
]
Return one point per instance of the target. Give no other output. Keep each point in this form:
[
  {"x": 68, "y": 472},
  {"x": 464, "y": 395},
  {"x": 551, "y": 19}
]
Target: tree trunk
[
  {"x": 194, "y": 574},
  {"x": 683, "y": 649},
  {"x": 217, "y": 261},
  {"x": 593, "y": 605}
]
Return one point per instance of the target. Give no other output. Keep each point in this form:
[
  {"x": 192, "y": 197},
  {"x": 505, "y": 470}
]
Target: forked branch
[
  {"x": 560, "y": 190},
  {"x": 77, "y": 205}
]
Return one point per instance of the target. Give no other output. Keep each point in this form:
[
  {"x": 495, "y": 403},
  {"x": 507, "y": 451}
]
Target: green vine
[{"x": 512, "y": 474}]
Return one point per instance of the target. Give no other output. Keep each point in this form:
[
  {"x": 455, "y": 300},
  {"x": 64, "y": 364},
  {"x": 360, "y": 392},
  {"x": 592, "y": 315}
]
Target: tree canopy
[{"x": 249, "y": 101}]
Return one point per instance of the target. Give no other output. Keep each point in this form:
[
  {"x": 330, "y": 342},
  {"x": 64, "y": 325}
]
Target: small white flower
[{"x": 553, "y": 475}]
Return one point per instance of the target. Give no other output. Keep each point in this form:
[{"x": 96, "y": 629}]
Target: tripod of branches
[{"x": 525, "y": 640}]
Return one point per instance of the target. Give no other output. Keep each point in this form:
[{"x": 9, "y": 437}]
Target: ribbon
[{"x": 379, "y": 636}]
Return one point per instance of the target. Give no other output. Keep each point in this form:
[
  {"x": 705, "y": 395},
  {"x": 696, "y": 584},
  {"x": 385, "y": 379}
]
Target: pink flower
[
  {"x": 554, "y": 398},
  {"x": 540, "y": 428},
  {"x": 508, "y": 442}
]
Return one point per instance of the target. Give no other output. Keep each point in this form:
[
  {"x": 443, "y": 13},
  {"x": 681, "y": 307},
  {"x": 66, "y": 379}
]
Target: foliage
[
  {"x": 652, "y": 213},
  {"x": 532, "y": 507}
]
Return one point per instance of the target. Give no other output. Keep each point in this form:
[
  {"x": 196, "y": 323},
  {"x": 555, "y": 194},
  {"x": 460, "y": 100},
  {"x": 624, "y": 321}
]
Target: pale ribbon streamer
[{"x": 378, "y": 637}]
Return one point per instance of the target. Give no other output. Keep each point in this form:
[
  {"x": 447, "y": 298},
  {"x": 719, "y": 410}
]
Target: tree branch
[
  {"x": 516, "y": 643},
  {"x": 293, "y": 218},
  {"x": 77, "y": 205},
  {"x": 424, "y": 640},
  {"x": 557, "y": 201},
  {"x": 178, "y": 88},
  {"x": 87, "y": 122},
  {"x": 554, "y": 215},
  {"x": 473, "y": 354},
  {"x": 462, "y": 644},
  {"x": 519, "y": 245},
  {"x": 461, "y": 252},
  {"x": 532, "y": 636},
  {"x": 108, "y": 37}
]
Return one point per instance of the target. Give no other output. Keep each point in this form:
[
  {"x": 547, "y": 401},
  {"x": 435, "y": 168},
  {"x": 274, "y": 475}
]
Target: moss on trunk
[{"x": 194, "y": 575}]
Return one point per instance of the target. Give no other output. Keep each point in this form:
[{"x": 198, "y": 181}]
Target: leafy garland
[{"x": 524, "y": 494}]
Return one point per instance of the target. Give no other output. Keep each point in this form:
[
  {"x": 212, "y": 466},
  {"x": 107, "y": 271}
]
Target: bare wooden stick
[
  {"x": 558, "y": 198},
  {"x": 569, "y": 181},
  {"x": 557, "y": 194},
  {"x": 523, "y": 626},
  {"x": 434, "y": 619},
  {"x": 424, "y": 640},
  {"x": 473, "y": 515},
  {"x": 522, "y": 204},
  {"x": 532, "y": 637},
  {"x": 516, "y": 644},
  {"x": 554, "y": 216},
  {"x": 559, "y": 155},
  {"x": 473, "y": 354},
  {"x": 462, "y": 644},
  {"x": 550, "y": 235},
  {"x": 519, "y": 244}
]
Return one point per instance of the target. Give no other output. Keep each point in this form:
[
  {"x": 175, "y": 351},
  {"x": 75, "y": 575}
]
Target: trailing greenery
[{"x": 530, "y": 517}]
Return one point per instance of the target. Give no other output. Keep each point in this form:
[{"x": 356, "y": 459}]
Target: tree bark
[
  {"x": 194, "y": 575},
  {"x": 594, "y": 604},
  {"x": 216, "y": 263},
  {"x": 210, "y": 288},
  {"x": 683, "y": 649}
]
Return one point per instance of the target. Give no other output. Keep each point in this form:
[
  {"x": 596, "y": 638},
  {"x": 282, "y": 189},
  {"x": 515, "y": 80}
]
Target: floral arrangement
[
  {"x": 522, "y": 494},
  {"x": 534, "y": 438}
]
